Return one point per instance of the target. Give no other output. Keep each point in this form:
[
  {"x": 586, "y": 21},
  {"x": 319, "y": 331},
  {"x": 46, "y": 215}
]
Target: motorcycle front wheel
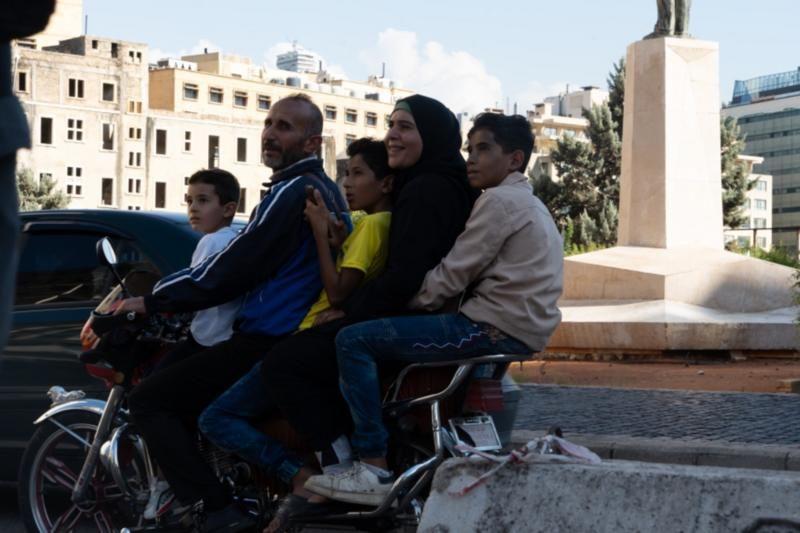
[{"x": 49, "y": 471}]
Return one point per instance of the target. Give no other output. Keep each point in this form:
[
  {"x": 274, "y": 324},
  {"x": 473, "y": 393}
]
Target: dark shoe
[
  {"x": 296, "y": 507},
  {"x": 230, "y": 519}
]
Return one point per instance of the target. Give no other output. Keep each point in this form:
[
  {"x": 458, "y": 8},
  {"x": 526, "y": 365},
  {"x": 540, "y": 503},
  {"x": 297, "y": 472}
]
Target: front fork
[{"x": 81, "y": 488}]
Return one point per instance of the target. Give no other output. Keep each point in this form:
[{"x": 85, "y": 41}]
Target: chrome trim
[{"x": 90, "y": 405}]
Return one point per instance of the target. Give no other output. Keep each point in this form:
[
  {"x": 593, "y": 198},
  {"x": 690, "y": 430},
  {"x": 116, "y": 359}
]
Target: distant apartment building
[
  {"x": 299, "y": 60},
  {"x": 557, "y": 117},
  {"x": 768, "y": 111},
  {"x": 114, "y": 131},
  {"x": 86, "y": 103},
  {"x": 757, "y": 211},
  {"x": 572, "y": 103}
]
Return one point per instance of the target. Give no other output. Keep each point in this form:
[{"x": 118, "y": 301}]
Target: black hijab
[{"x": 441, "y": 140}]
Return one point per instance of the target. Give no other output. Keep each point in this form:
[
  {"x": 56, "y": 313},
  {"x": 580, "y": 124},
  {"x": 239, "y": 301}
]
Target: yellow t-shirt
[{"x": 365, "y": 249}]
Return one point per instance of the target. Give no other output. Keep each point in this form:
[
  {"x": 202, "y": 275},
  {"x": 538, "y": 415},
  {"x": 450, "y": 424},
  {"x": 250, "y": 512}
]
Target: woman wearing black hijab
[{"x": 432, "y": 201}]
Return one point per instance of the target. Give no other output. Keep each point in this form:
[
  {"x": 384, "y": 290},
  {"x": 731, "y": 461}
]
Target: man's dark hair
[
  {"x": 314, "y": 119},
  {"x": 225, "y": 184},
  {"x": 373, "y": 153},
  {"x": 511, "y": 132}
]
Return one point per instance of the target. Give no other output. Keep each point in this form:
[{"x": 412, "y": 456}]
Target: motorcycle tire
[{"x": 48, "y": 472}]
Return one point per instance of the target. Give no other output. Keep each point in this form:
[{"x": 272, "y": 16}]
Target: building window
[
  {"x": 108, "y": 136},
  {"x": 74, "y": 129},
  {"x": 187, "y": 141},
  {"x": 114, "y": 49},
  {"x": 351, "y": 116},
  {"x": 135, "y": 185},
  {"x": 264, "y": 102},
  {"x": 45, "y": 177},
  {"x": 74, "y": 182},
  {"x": 94, "y": 44},
  {"x": 22, "y": 81},
  {"x": 242, "y": 207},
  {"x": 134, "y": 159},
  {"x": 761, "y": 185},
  {"x": 348, "y": 140},
  {"x": 241, "y": 150},
  {"x": 135, "y": 57},
  {"x": 387, "y": 119},
  {"x": 161, "y": 142},
  {"x": 759, "y": 222},
  {"x": 330, "y": 112},
  {"x": 107, "y": 191},
  {"x": 761, "y": 242},
  {"x": 75, "y": 88},
  {"x": 134, "y": 106},
  {"x": 372, "y": 119},
  {"x": 161, "y": 195},
  {"x": 108, "y": 92},
  {"x": 135, "y": 133},
  {"x": 215, "y": 95},
  {"x": 46, "y": 130},
  {"x": 190, "y": 91},
  {"x": 761, "y": 204},
  {"x": 240, "y": 99},
  {"x": 213, "y": 151}
]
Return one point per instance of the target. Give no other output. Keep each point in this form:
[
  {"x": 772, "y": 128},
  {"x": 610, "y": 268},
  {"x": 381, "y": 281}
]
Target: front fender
[{"x": 90, "y": 405}]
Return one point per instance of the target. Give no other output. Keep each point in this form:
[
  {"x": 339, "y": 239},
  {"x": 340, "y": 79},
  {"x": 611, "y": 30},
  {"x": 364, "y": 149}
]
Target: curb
[{"x": 683, "y": 452}]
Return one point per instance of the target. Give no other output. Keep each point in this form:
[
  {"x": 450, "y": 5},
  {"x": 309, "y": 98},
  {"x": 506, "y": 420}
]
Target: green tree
[
  {"x": 589, "y": 172},
  {"x": 735, "y": 180},
  {"x": 34, "y": 196}
]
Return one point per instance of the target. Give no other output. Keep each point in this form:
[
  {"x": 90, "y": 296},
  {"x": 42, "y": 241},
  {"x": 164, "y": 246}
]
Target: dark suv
[{"x": 59, "y": 282}]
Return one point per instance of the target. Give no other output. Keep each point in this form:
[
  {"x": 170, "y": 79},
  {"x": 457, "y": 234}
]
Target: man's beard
[{"x": 287, "y": 157}]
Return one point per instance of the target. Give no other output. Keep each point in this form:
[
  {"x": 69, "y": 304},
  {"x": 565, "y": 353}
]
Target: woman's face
[{"x": 403, "y": 141}]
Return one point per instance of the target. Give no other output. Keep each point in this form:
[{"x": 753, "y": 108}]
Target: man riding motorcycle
[{"x": 273, "y": 263}]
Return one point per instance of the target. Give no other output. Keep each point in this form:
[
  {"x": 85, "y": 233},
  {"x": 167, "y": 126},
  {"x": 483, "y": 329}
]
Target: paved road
[
  {"x": 712, "y": 416},
  {"x": 709, "y": 416}
]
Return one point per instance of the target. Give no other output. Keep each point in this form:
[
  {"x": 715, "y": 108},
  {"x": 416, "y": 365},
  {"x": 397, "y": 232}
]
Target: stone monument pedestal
[{"x": 669, "y": 284}]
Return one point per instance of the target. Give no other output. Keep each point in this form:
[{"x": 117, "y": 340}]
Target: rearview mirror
[{"x": 105, "y": 252}]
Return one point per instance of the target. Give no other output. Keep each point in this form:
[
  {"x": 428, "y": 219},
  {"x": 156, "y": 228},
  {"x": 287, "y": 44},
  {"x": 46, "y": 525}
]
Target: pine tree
[
  {"x": 34, "y": 196},
  {"x": 589, "y": 172},
  {"x": 735, "y": 181}
]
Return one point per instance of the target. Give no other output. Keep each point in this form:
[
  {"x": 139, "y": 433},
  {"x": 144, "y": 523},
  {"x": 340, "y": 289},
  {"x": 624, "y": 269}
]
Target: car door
[{"x": 59, "y": 282}]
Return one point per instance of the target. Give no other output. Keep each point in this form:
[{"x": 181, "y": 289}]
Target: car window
[{"x": 62, "y": 267}]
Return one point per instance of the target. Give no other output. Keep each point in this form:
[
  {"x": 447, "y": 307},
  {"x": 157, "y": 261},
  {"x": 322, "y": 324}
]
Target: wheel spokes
[
  {"x": 103, "y": 522},
  {"x": 58, "y": 473},
  {"x": 67, "y": 520}
]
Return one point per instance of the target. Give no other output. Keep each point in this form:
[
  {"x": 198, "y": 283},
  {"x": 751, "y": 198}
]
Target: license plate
[{"x": 476, "y": 431}]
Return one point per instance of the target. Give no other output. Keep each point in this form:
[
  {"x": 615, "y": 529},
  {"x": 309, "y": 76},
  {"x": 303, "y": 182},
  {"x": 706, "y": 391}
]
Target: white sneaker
[
  {"x": 359, "y": 484},
  {"x": 160, "y": 498}
]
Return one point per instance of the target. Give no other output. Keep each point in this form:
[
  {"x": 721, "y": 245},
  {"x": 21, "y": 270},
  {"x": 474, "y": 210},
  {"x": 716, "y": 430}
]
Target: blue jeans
[
  {"x": 410, "y": 339},
  {"x": 226, "y": 422}
]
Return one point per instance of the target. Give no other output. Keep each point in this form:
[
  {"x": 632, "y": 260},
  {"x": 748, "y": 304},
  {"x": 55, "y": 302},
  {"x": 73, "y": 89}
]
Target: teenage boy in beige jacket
[{"x": 508, "y": 261}]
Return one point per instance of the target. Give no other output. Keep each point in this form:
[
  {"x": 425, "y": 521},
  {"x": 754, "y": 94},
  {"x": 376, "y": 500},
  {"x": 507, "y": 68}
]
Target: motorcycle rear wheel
[{"x": 49, "y": 470}]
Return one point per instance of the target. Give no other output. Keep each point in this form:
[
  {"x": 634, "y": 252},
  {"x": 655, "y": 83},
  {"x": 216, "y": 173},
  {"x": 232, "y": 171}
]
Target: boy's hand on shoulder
[
  {"x": 337, "y": 233},
  {"x": 317, "y": 214}
]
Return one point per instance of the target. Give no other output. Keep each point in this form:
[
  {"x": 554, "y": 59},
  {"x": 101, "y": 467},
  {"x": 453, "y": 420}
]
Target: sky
[{"x": 470, "y": 54}]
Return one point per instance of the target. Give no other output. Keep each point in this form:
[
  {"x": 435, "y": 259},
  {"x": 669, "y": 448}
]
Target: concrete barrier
[{"x": 619, "y": 496}]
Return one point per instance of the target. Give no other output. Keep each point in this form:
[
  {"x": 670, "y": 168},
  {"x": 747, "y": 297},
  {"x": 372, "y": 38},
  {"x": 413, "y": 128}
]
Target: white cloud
[
  {"x": 457, "y": 78},
  {"x": 199, "y": 47}
]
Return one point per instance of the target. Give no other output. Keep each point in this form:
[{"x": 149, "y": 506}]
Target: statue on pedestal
[{"x": 673, "y": 19}]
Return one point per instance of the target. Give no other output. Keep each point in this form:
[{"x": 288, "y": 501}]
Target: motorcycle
[{"x": 87, "y": 468}]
